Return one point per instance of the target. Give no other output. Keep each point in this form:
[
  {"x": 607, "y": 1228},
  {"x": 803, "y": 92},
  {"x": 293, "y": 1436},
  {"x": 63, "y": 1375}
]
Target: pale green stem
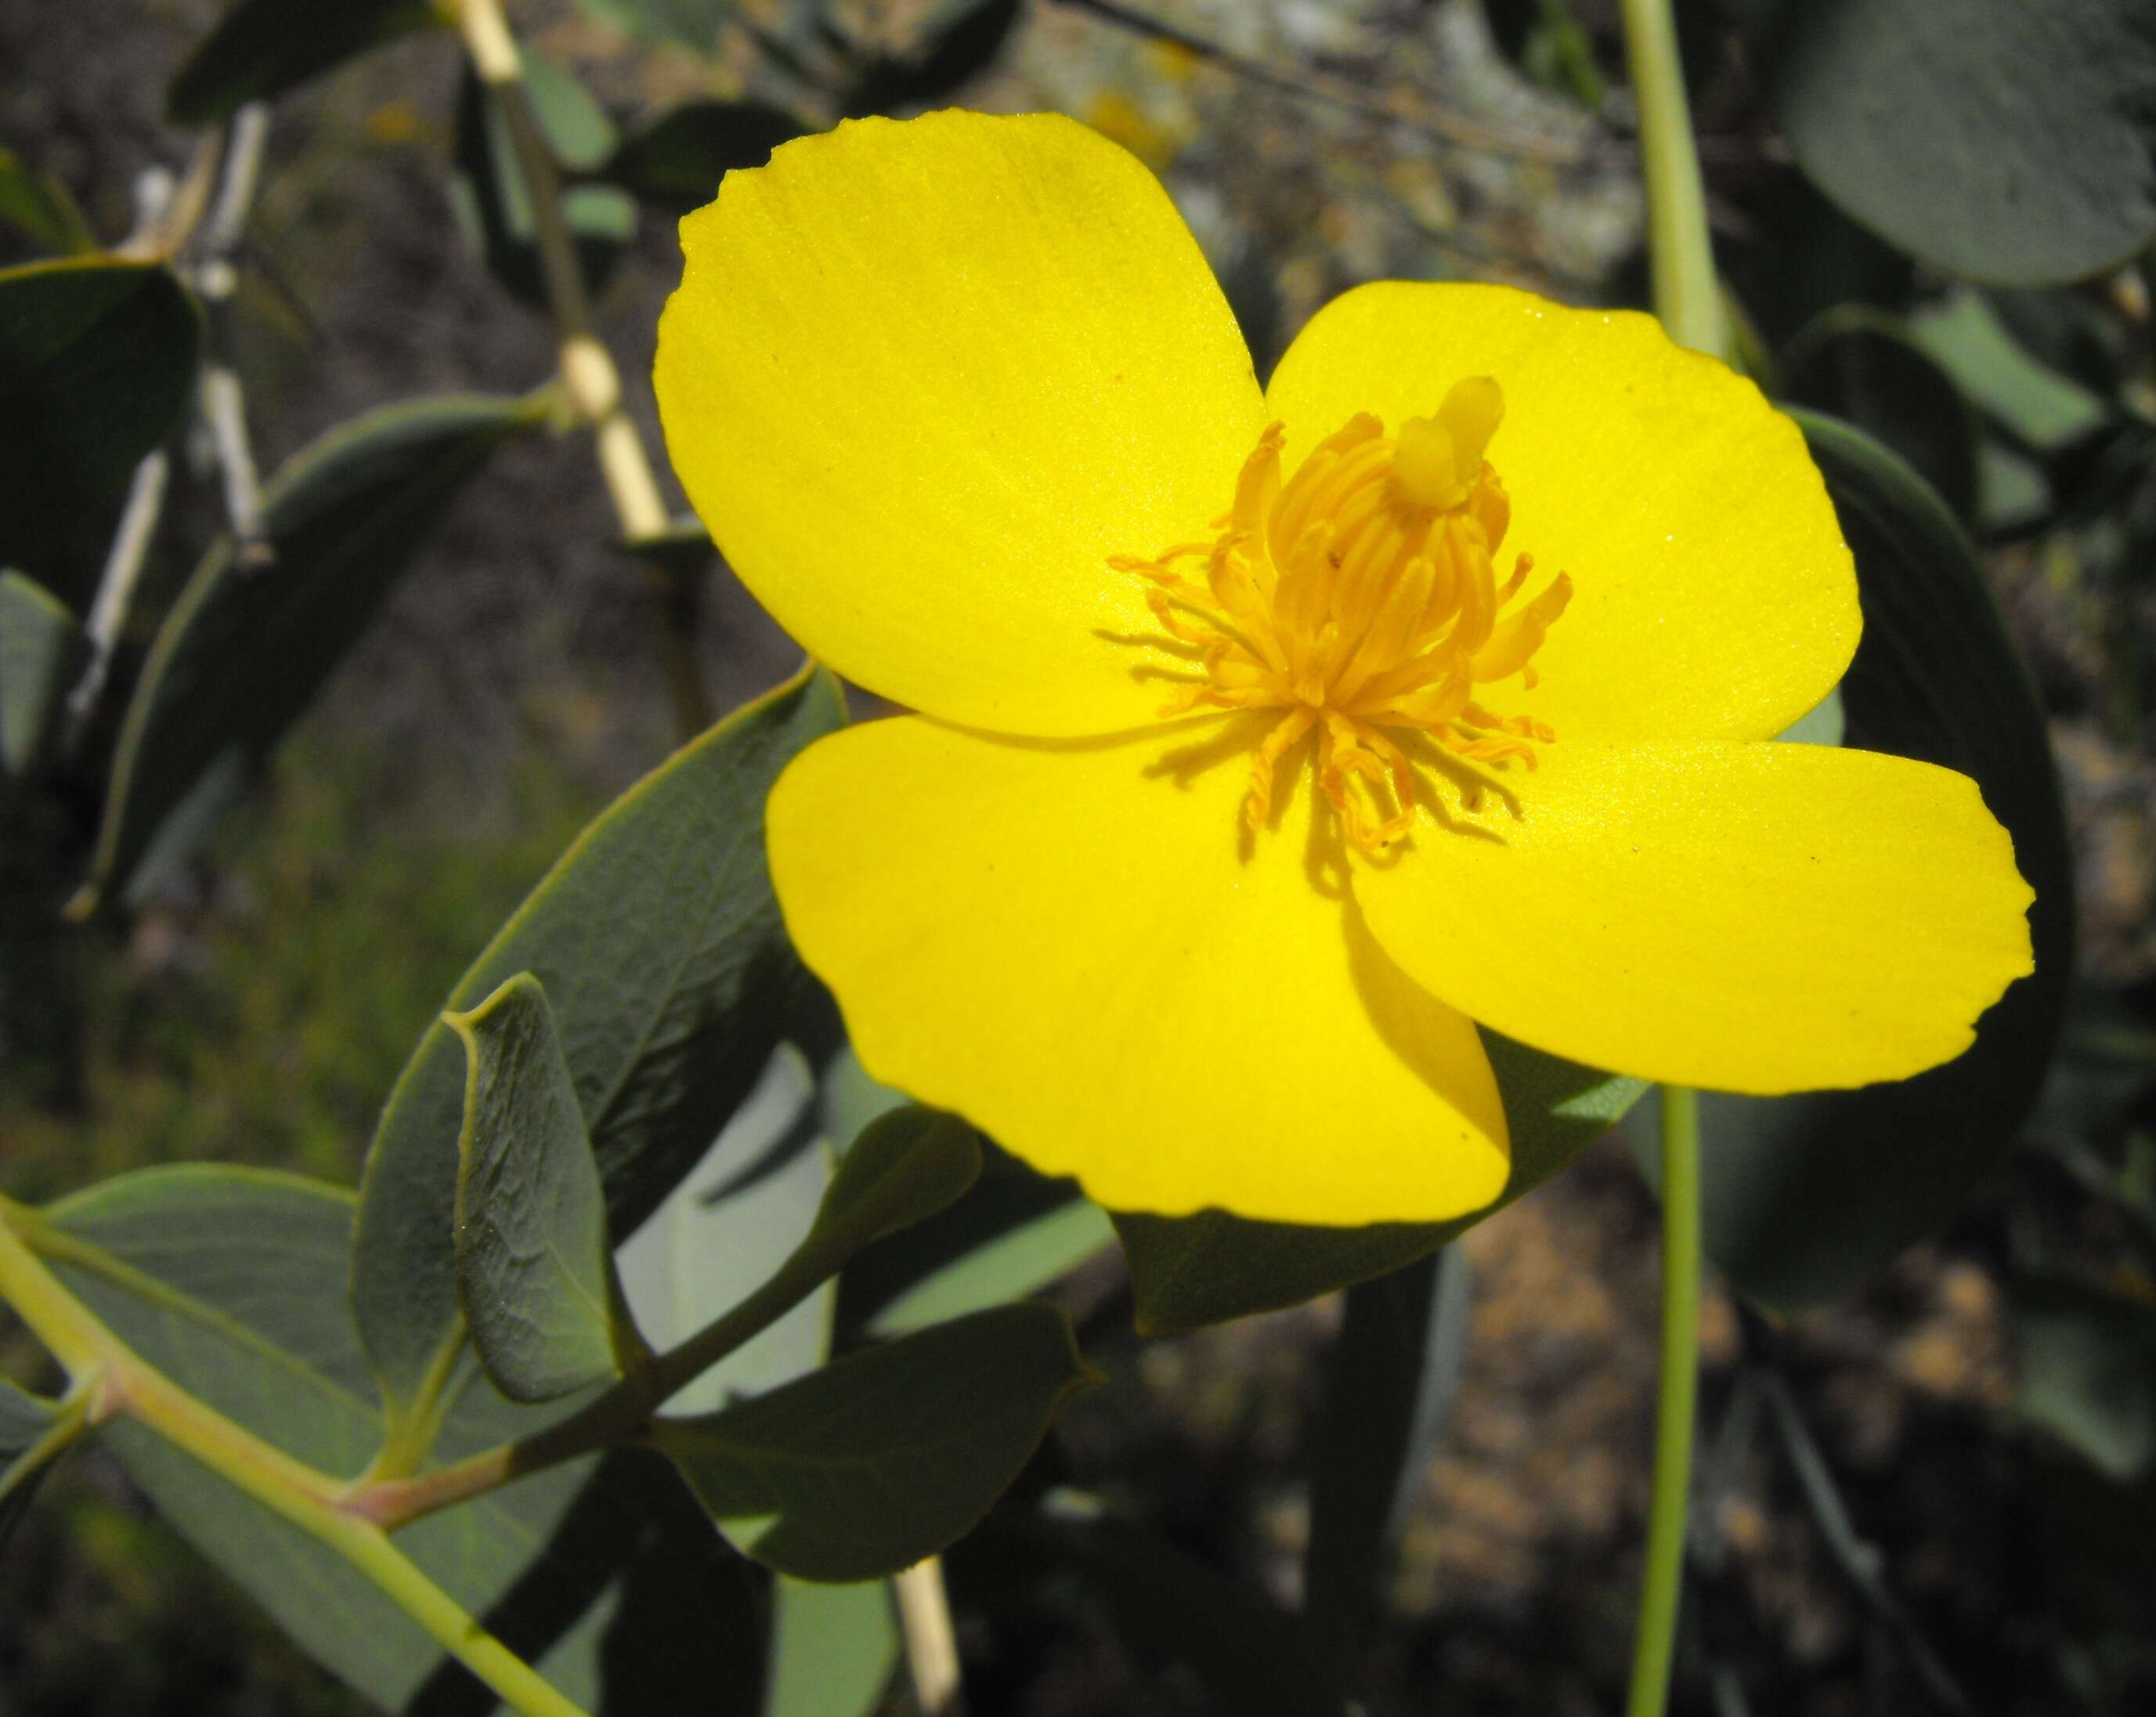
[
  {"x": 1688, "y": 300},
  {"x": 1655, "y": 1646},
  {"x": 1687, "y": 296},
  {"x": 619, "y": 1414},
  {"x": 118, "y": 1382}
]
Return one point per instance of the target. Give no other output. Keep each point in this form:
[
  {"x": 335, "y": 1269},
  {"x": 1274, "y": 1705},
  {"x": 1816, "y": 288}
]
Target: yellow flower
[{"x": 1247, "y": 776}]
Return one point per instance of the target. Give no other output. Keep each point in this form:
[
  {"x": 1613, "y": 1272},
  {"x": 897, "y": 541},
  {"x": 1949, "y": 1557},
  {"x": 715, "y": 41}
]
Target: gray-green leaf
[
  {"x": 2009, "y": 142},
  {"x": 534, "y": 1270},
  {"x": 230, "y": 1282},
  {"x": 886, "y": 1456},
  {"x": 96, "y": 360},
  {"x": 904, "y": 1167},
  {"x": 670, "y": 976},
  {"x": 246, "y": 648}
]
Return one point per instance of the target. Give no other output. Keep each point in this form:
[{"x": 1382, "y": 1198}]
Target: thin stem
[
  {"x": 1655, "y": 1647},
  {"x": 931, "y": 1644},
  {"x": 618, "y": 1416},
  {"x": 589, "y": 377},
  {"x": 1687, "y": 296},
  {"x": 116, "y": 1382}
]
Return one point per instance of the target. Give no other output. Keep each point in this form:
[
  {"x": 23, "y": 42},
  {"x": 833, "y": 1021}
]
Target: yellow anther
[{"x": 1357, "y": 596}]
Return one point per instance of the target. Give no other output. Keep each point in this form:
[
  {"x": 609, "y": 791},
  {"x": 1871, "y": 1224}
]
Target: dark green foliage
[
  {"x": 263, "y": 48},
  {"x": 2088, "y": 1372},
  {"x": 904, "y": 1167},
  {"x": 886, "y": 1456},
  {"x": 42, "y": 650},
  {"x": 675, "y": 161},
  {"x": 246, "y": 647},
  {"x": 1863, "y": 367},
  {"x": 659, "y": 942},
  {"x": 231, "y": 1282},
  {"x": 962, "y": 40},
  {"x": 1389, "y": 1385},
  {"x": 96, "y": 360}
]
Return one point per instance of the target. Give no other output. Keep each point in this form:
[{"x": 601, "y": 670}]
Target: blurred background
[{"x": 1932, "y": 1493}]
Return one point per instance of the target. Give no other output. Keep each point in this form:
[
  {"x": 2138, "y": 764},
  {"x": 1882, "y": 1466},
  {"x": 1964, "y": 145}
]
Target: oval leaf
[
  {"x": 534, "y": 1270},
  {"x": 229, "y": 1282},
  {"x": 261, "y": 48},
  {"x": 1864, "y": 367},
  {"x": 904, "y": 1167},
  {"x": 2005, "y": 142},
  {"x": 2035, "y": 404},
  {"x": 246, "y": 648},
  {"x": 1189, "y": 1271},
  {"x": 96, "y": 360},
  {"x": 885, "y": 1457},
  {"x": 668, "y": 972},
  {"x": 1805, "y": 1196}
]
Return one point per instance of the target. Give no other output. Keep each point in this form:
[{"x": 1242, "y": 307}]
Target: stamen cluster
[{"x": 1360, "y": 598}]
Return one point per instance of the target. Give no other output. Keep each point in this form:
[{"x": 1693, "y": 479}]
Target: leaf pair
[{"x": 853, "y": 1471}]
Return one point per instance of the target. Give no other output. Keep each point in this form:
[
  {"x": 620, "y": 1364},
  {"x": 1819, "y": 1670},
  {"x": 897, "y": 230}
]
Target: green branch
[
  {"x": 620, "y": 1415},
  {"x": 114, "y": 1381}
]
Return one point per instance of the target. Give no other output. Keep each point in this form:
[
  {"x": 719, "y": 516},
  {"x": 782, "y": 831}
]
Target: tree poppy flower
[{"x": 1269, "y": 739}]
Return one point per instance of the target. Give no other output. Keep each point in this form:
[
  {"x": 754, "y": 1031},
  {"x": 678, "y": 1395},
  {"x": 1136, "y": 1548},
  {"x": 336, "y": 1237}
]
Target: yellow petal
[
  {"x": 1741, "y": 917},
  {"x": 1062, "y": 942},
  {"x": 920, "y": 379},
  {"x": 1712, "y": 595}
]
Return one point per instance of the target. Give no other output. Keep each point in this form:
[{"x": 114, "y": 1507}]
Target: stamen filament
[{"x": 1359, "y": 596}]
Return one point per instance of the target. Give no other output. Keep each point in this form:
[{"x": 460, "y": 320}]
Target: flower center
[{"x": 1359, "y": 599}]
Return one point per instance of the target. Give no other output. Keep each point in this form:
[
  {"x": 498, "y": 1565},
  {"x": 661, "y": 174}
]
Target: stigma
[{"x": 1359, "y": 599}]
